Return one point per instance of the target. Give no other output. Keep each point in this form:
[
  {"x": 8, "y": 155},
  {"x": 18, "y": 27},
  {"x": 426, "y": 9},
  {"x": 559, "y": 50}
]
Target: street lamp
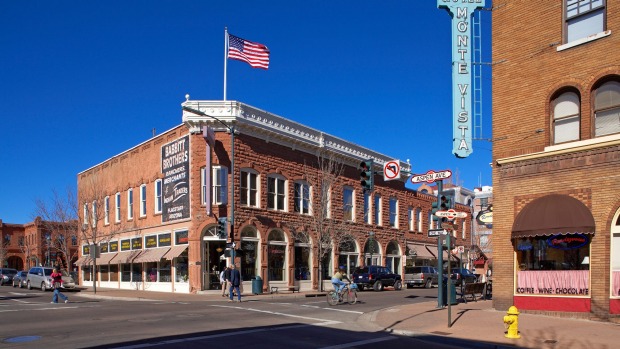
[
  {"x": 231, "y": 129},
  {"x": 371, "y": 244},
  {"x": 47, "y": 259}
]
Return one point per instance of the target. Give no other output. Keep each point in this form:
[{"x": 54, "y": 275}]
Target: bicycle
[{"x": 348, "y": 294}]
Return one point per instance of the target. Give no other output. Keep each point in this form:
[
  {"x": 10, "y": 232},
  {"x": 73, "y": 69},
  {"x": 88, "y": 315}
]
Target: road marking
[
  {"x": 354, "y": 344},
  {"x": 333, "y": 309},
  {"x": 324, "y": 322},
  {"x": 228, "y": 334}
]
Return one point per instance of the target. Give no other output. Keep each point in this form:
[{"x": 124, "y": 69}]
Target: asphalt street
[{"x": 30, "y": 321}]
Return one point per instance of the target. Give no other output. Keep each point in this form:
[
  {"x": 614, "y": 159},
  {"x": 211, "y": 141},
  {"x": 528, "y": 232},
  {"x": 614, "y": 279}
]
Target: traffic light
[
  {"x": 222, "y": 228},
  {"x": 366, "y": 175},
  {"x": 435, "y": 208}
]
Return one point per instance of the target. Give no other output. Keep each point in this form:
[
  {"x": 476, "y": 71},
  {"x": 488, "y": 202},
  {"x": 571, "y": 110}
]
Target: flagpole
[{"x": 225, "y": 57}]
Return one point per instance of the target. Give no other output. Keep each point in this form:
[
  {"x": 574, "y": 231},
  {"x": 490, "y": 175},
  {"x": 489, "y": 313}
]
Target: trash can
[
  {"x": 452, "y": 292},
  {"x": 257, "y": 285}
]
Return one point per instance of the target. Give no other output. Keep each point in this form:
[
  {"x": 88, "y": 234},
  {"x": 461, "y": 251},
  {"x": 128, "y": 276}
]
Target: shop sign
[
  {"x": 113, "y": 246},
  {"x": 175, "y": 167},
  {"x": 524, "y": 246},
  {"x": 125, "y": 245},
  {"x": 85, "y": 250},
  {"x": 103, "y": 247},
  {"x": 567, "y": 242},
  {"x": 182, "y": 237},
  {"x": 164, "y": 240},
  {"x": 150, "y": 241},
  {"x": 136, "y": 243}
]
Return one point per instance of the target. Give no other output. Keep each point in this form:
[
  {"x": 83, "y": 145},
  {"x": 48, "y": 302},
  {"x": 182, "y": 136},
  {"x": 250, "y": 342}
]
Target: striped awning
[
  {"x": 82, "y": 261},
  {"x": 175, "y": 251},
  {"x": 105, "y": 258},
  {"x": 125, "y": 257},
  {"x": 421, "y": 251},
  {"x": 152, "y": 255}
]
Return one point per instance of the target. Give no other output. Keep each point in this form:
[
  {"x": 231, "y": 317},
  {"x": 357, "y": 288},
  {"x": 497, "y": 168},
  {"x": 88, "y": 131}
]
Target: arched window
[
  {"x": 607, "y": 109},
  {"x": 348, "y": 254},
  {"x": 249, "y": 256},
  {"x": 566, "y": 117},
  {"x": 276, "y": 255},
  {"x": 303, "y": 252},
  {"x": 392, "y": 257}
]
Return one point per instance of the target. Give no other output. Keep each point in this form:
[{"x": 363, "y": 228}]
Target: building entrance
[{"x": 214, "y": 262}]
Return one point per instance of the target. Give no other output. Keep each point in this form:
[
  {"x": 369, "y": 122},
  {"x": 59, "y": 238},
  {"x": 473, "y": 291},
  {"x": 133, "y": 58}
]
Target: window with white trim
[
  {"x": 117, "y": 208},
  {"x": 348, "y": 213},
  {"x": 94, "y": 217},
  {"x": 393, "y": 213},
  {"x": 378, "y": 211},
  {"x": 276, "y": 193},
  {"x": 566, "y": 117},
  {"x": 607, "y": 109},
  {"x": 86, "y": 220},
  {"x": 106, "y": 210},
  {"x": 130, "y": 203},
  {"x": 249, "y": 188},
  {"x": 367, "y": 208},
  {"x": 158, "y": 189},
  {"x": 219, "y": 185},
  {"x": 301, "y": 199},
  {"x": 583, "y": 18},
  {"x": 410, "y": 219},
  {"x": 418, "y": 218},
  {"x": 203, "y": 186},
  {"x": 143, "y": 200}
]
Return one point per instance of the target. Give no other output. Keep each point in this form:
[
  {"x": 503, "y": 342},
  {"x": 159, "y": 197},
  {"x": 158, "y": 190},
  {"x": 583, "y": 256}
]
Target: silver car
[{"x": 41, "y": 277}]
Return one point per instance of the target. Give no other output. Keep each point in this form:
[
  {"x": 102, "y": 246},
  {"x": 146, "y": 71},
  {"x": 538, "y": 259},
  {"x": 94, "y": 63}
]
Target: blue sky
[{"x": 81, "y": 81}]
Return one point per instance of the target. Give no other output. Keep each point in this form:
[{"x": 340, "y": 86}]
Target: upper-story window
[
  {"x": 430, "y": 220},
  {"x": 117, "y": 208},
  {"x": 130, "y": 203},
  {"x": 143, "y": 200},
  {"x": 106, "y": 210},
  {"x": 393, "y": 213},
  {"x": 378, "y": 211},
  {"x": 220, "y": 185},
  {"x": 158, "y": 203},
  {"x": 584, "y": 18},
  {"x": 347, "y": 204},
  {"x": 94, "y": 213},
  {"x": 367, "y": 208},
  {"x": 276, "y": 193},
  {"x": 607, "y": 109},
  {"x": 249, "y": 188},
  {"x": 418, "y": 218},
  {"x": 410, "y": 219},
  {"x": 301, "y": 200},
  {"x": 85, "y": 222},
  {"x": 566, "y": 117}
]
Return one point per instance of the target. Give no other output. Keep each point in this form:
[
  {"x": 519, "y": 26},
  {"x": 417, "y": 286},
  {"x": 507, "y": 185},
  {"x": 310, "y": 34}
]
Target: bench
[
  {"x": 274, "y": 289},
  {"x": 474, "y": 290}
]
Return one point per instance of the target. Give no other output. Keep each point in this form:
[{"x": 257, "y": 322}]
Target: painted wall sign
[
  {"x": 113, "y": 246},
  {"x": 164, "y": 240},
  {"x": 567, "y": 242},
  {"x": 461, "y": 12},
  {"x": 125, "y": 245},
  {"x": 175, "y": 167}
]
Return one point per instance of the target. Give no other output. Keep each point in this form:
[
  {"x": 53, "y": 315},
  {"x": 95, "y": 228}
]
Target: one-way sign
[{"x": 433, "y": 233}]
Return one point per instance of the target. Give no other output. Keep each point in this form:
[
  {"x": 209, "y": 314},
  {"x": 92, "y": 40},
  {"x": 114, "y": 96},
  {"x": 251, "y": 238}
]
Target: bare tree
[
  {"x": 26, "y": 248},
  {"x": 59, "y": 222},
  {"x": 328, "y": 231},
  {"x": 4, "y": 247}
]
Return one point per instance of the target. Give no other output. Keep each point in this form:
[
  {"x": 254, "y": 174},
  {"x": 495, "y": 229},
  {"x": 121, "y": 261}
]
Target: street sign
[
  {"x": 436, "y": 232},
  {"x": 461, "y": 249},
  {"x": 431, "y": 176},
  {"x": 451, "y": 214},
  {"x": 391, "y": 170}
]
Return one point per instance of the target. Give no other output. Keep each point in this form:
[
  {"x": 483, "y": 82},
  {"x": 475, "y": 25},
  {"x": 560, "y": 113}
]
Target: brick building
[
  {"x": 556, "y": 155},
  {"x": 299, "y": 209}
]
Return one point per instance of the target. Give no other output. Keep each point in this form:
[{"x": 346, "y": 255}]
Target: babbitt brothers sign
[{"x": 175, "y": 167}]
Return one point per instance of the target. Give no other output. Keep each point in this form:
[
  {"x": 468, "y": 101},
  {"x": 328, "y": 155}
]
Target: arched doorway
[
  {"x": 250, "y": 249},
  {"x": 372, "y": 252},
  {"x": 276, "y": 256},
  {"x": 349, "y": 255},
  {"x": 213, "y": 258},
  {"x": 303, "y": 260},
  {"x": 393, "y": 257}
]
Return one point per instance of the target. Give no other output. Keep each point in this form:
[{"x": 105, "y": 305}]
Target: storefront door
[{"x": 214, "y": 261}]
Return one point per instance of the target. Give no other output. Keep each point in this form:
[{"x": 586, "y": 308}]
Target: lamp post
[
  {"x": 231, "y": 129},
  {"x": 48, "y": 262},
  {"x": 371, "y": 245}
]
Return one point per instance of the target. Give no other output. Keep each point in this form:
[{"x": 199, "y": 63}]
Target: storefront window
[
  {"x": 327, "y": 268},
  {"x": 392, "y": 258},
  {"x": 249, "y": 258},
  {"x": 103, "y": 270},
  {"x": 180, "y": 265},
  {"x": 125, "y": 272},
  {"x": 553, "y": 265},
  {"x": 136, "y": 272},
  {"x": 615, "y": 257},
  {"x": 164, "y": 270},
  {"x": 348, "y": 255},
  {"x": 276, "y": 255},
  {"x": 114, "y": 272},
  {"x": 151, "y": 271},
  {"x": 86, "y": 273}
]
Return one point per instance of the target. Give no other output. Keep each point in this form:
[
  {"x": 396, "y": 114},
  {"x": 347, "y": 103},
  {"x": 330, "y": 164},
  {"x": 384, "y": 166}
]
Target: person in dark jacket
[{"x": 235, "y": 281}]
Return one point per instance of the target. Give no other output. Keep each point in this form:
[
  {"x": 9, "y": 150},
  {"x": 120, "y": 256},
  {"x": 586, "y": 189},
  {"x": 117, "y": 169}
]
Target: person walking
[
  {"x": 223, "y": 281},
  {"x": 57, "y": 284},
  {"x": 234, "y": 281}
]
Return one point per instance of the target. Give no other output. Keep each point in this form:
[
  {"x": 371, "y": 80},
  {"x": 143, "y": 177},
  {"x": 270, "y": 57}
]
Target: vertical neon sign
[{"x": 461, "y": 12}]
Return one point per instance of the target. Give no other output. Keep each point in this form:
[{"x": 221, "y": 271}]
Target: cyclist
[{"x": 337, "y": 279}]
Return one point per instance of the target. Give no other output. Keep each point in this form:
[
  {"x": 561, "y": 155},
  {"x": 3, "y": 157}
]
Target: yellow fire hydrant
[{"x": 511, "y": 321}]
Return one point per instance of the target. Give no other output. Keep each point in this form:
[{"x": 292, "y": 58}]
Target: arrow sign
[
  {"x": 436, "y": 232},
  {"x": 391, "y": 170},
  {"x": 431, "y": 176},
  {"x": 451, "y": 214}
]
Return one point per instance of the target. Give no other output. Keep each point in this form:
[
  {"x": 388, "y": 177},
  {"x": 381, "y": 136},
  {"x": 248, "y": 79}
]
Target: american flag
[{"x": 253, "y": 53}]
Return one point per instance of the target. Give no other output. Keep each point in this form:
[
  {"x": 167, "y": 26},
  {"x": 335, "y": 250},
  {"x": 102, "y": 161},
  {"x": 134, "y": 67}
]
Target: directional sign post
[
  {"x": 391, "y": 170},
  {"x": 433, "y": 233},
  {"x": 451, "y": 214}
]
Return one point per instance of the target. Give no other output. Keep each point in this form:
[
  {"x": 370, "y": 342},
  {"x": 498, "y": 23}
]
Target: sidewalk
[{"x": 474, "y": 324}]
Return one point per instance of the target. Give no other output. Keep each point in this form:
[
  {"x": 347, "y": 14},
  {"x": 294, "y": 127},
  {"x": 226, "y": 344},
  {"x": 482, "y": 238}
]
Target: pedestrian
[
  {"x": 235, "y": 281},
  {"x": 223, "y": 281},
  {"x": 227, "y": 278},
  {"x": 57, "y": 284}
]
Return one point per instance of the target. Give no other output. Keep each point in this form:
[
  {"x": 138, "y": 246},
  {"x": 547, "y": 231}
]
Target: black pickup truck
[{"x": 377, "y": 277}]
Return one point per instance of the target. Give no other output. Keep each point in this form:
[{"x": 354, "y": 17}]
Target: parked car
[
  {"x": 377, "y": 277},
  {"x": 20, "y": 279},
  {"x": 41, "y": 277},
  {"x": 6, "y": 275},
  {"x": 426, "y": 276},
  {"x": 463, "y": 275}
]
